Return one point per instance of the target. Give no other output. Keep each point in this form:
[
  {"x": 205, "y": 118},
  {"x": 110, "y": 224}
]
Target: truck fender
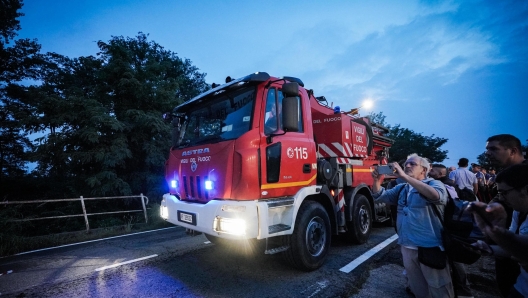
[
  {"x": 326, "y": 199},
  {"x": 350, "y": 194}
]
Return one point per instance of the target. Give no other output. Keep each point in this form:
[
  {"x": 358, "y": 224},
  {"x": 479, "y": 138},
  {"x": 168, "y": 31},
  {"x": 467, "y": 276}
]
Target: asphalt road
[{"x": 169, "y": 263}]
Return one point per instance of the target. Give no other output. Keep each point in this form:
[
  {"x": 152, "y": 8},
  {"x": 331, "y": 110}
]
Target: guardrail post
[
  {"x": 85, "y": 216},
  {"x": 144, "y": 208}
]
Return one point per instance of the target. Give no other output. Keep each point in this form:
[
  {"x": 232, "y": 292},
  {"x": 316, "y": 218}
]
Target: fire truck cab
[{"x": 261, "y": 157}]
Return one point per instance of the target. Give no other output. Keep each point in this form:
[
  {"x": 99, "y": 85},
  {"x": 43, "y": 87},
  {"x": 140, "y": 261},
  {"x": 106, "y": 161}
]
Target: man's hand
[
  {"x": 376, "y": 186},
  {"x": 494, "y": 221},
  {"x": 398, "y": 171}
]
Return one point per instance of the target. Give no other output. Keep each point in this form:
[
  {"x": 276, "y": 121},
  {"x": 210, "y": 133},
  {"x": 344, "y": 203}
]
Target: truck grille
[{"x": 194, "y": 187}]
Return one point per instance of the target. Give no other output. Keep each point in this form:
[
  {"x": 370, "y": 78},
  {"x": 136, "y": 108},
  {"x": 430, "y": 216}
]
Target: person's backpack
[
  {"x": 456, "y": 219},
  {"x": 458, "y": 225},
  {"x": 465, "y": 194}
]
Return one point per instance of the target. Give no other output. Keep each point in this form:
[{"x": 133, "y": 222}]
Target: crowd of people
[{"x": 499, "y": 207}]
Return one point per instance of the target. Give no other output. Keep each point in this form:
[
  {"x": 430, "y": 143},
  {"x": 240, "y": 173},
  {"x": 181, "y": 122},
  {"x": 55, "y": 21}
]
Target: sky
[{"x": 453, "y": 69}]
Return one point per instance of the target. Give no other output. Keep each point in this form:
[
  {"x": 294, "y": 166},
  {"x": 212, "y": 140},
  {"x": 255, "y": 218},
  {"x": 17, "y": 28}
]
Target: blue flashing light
[{"x": 209, "y": 185}]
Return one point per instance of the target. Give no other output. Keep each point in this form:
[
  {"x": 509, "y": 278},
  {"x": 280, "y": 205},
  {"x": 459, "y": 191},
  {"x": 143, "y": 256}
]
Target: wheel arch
[
  {"x": 326, "y": 200},
  {"x": 350, "y": 195}
]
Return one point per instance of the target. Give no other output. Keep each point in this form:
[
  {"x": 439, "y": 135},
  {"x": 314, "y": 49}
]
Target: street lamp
[{"x": 367, "y": 104}]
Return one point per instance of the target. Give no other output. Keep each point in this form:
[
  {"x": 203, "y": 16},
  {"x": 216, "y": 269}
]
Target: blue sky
[{"x": 455, "y": 69}]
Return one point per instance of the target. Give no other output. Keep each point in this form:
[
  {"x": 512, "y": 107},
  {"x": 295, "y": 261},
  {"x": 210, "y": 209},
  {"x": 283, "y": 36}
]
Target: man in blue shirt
[{"x": 418, "y": 225}]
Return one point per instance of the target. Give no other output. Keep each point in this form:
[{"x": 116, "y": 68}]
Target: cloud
[{"x": 438, "y": 43}]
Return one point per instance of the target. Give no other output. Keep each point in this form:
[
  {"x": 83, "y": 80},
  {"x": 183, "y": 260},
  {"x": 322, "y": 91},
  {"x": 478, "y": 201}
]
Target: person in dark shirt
[{"x": 503, "y": 151}]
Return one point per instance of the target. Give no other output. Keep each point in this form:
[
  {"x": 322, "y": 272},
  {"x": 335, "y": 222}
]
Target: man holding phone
[
  {"x": 418, "y": 225},
  {"x": 504, "y": 150},
  {"x": 512, "y": 185}
]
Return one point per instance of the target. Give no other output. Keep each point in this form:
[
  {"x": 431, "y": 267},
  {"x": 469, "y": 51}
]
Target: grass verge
[{"x": 12, "y": 244}]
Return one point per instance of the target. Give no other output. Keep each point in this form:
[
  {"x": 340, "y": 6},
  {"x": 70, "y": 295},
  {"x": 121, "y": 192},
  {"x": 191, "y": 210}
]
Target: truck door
[{"x": 287, "y": 159}]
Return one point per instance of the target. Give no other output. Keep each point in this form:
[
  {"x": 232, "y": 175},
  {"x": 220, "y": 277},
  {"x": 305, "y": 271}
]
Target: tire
[
  {"x": 310, "y": 241},
  {"x": 360, "y": 227}
]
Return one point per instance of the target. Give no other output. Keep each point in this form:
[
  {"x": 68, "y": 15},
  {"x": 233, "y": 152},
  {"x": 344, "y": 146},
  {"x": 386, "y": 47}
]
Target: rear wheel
[
  {"x": 310, "y": 241},
  {"x": 359, "y": 228}
]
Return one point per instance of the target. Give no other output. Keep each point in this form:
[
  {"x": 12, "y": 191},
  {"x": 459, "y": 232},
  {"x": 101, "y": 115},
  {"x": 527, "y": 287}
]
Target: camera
[{"x": 385, "y": 170}]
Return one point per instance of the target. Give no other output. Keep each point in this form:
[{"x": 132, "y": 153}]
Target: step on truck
[{"x": 261, "y": 157}]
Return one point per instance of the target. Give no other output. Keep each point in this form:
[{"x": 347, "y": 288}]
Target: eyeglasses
[{"x": 411, "y": 163}]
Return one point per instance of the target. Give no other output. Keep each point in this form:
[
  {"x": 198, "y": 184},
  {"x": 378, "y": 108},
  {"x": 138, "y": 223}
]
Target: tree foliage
[
  {"x": 102, "y": 116},
  {"x": 407, "y": 142},
  {"x": 9, "y": 23},
  {"x": 98, "y": 119},
  {"x": 18, "y": 62}
]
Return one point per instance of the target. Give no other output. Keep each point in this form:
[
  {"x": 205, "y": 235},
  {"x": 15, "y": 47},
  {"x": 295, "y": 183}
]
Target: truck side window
[{"x": 272, "y": 118}]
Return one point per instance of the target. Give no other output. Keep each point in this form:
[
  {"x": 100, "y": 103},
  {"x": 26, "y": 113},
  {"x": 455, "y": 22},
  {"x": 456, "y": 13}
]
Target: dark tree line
[
  {"x": 407, "y": 141},
  {"x": 92, "y": 125}
]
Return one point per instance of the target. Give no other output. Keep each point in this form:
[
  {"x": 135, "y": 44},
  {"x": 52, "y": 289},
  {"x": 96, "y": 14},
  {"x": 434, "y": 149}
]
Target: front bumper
[{"x": 233, "y": 219}]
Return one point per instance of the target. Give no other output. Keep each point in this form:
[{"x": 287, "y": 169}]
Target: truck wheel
[
  {"x": 310, "y": 241},
  {"x": 359, "y": 228}
]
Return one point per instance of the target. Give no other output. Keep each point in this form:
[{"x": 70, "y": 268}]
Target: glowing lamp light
[
  {"x": 234, "y": 226},
  {"x": 174, "y": 183},
  {"x": 209, "y": 185},
  {"x": 164, "y": 212},
  {"x": 367, "y": 104}
]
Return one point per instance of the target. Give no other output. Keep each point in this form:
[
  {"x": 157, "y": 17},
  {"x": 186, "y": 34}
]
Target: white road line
[
  {"x": 358, "y": 261},
  {"x": 320, "y": 285},
  {"x": 72, "y": 244},
  {"x": 124, "y": 263}
]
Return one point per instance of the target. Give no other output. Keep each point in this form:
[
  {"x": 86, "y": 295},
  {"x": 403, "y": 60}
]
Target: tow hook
[{"x": 192, "y": 232}]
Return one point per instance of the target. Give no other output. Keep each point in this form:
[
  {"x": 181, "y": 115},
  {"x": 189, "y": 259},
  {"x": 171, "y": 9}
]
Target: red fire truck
[{"x": 261, "y": 157}]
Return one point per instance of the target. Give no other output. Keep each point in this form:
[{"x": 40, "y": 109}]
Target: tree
[
  {"x": 102, "y": 116},
  {"x": 17, "y": 63},
  {"x": 407, "y": 141},
  {"x": 9, "y": 23}
]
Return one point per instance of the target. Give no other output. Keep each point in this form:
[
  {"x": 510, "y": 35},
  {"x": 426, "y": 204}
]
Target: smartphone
[
  {"x": 468, "y": 243},
  {"x": 385, "y": 170},
  {"x": 482, "y": 213}
]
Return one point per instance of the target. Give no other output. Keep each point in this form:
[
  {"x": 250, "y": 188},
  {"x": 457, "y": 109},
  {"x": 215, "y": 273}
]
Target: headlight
[
  {"x": 164, "y": 212},
  {"x": 235, "y": 226}
]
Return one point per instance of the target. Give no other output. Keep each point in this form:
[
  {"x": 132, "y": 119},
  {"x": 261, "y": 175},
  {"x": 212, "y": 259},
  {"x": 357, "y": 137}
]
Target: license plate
[{"x": 187, "y": 217}]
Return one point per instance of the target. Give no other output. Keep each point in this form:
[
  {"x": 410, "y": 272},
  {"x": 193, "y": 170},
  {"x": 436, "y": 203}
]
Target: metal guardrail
[{"x": 144, "y": 202}]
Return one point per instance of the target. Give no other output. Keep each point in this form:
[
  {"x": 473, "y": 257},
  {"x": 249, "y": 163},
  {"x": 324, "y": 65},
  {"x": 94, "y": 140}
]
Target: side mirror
[
  {"x": 290, "y": 113},
  {"x": 290, "y": 89}
]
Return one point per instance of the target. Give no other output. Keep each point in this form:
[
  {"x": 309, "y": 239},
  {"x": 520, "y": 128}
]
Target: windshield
[{"x": 226, "y": 116}]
